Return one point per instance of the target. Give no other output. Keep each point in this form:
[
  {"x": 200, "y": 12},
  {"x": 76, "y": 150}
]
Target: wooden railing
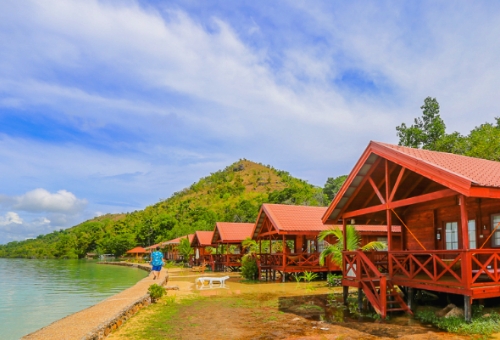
[
  {"x": 462, "y": 269},
  {"x": 485, "y": 266},
  {"x": 227, "y": 259},
  {"x": 290, "y": 260},
  {"x": 360, "y": 266},
  {"x": 436, "y": 266}
]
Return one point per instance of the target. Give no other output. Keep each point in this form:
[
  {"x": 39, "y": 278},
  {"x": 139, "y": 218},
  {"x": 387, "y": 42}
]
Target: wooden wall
[{"x": 426, "y": 220}]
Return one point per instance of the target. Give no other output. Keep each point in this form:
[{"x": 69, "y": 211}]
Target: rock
[
  {"x": 172, "y": 287},
  {"x": 455, "y": 312},
  {"x": 441, "y": 313},
  {"x": 296, "y": 319}
]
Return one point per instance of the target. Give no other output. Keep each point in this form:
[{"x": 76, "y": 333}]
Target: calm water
[{"x": 35, "y": 293}]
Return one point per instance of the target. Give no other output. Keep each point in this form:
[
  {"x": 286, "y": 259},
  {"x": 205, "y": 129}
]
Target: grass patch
[
  {"x": 160, "y": 326},
  {"x": 309, "y": 308},
  {"x": 481, "y": 325}
]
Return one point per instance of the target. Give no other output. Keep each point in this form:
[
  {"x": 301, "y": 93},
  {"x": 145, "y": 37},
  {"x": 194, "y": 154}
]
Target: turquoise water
[{"x": 35, "y": 293}]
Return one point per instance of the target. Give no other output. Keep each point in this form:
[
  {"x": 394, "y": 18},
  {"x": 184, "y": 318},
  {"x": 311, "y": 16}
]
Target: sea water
[{"x": 35, "y": 293}]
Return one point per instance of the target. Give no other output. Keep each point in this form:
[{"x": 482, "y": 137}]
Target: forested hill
[{"x": 234, "y": 194}]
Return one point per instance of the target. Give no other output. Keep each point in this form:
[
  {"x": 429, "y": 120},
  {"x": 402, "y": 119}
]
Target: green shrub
[
  {"x": 249, "y": 269},
  {"x": 333, "y": 280},
  {"x": 481, "y": 324},
  {"x": 155, "y": 292}
]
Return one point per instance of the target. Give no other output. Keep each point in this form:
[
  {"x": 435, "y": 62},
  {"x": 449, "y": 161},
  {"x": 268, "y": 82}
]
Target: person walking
[{"x": 156, "y": 262}]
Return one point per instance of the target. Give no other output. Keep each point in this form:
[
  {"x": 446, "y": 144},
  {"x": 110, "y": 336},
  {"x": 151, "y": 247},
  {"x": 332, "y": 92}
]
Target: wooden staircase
[{"x": 379, "y": 290}]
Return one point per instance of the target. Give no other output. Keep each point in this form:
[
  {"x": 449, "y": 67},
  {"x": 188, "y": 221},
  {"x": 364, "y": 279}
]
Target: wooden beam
[
  {"x": 401, "y": 203},
  {"x": 389, "y": 229},
  {"x": 379, "y": 185},
  {"x": 361, "y": 184},
  {"x": 372, "y": 183},
  {"x": 344, "y": 235},
  {"x": 396, "y": 185},
  {"x": 387, "y": 180},
  {"x": 274, "y": 232}
]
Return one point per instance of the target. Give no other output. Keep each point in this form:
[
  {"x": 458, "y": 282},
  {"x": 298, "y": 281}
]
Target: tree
[
  {"x": 484, "y": 141},
  {"x": 249, "y": 268},
  {"x": 333, "y": 185},
  {"x": 185, "y": 249},
  {"x": 426, "y": 130},
  {"x": 353, "y": 243}
]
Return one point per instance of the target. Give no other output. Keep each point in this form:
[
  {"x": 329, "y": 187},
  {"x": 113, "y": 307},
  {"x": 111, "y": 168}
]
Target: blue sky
[{"x": 109, "y": 106}]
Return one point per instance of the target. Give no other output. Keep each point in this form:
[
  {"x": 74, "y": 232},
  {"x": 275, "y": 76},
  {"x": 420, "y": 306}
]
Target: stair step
[{"x": 396, "y": 309}]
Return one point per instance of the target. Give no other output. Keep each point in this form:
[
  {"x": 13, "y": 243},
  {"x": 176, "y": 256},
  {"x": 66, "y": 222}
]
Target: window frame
[
  {"x": 497, "y": 232},
  {"x": 446, "y": 235}
]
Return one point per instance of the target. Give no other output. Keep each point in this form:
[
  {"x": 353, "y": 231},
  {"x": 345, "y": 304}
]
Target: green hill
[{"x": 234, "y": 194}]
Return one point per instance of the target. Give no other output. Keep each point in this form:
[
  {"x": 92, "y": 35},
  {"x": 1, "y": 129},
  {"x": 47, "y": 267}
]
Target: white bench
[{"x": 221, "y": 281}]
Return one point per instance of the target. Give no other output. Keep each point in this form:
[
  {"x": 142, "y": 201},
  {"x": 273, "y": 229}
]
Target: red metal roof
[
  {"x": 137, "y": 250},
  {"x": 300, "y": 218},
  {"x": 480, "y": 172},
  {"x": 469, "y": 176},
  {"x": 374, "y": 228},
  {"x": 153, "y": 246},
  {"x": 204, "y": 238},
  {"x": 177, "y": 240},
  {"x": 292, "y": 217},
  {"x": 228, "y": 232}
]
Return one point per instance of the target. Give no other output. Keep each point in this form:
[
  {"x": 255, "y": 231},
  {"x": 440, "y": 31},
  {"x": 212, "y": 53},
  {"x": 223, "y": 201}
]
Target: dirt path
[{"x": 249, "y": 312}]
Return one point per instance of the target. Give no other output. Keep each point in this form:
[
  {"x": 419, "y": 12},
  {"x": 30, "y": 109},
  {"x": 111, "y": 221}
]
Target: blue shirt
[{"x": 156, "y": 258}]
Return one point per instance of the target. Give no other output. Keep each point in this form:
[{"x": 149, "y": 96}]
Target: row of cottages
[
  {"x": 227, "y": 239},
  {"x": 297, "y": 229},
  {"x": 291, "y": 230},
  {"x": 449, "y": 209}
]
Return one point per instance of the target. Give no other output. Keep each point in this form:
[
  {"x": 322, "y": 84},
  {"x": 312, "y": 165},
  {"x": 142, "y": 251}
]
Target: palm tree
[
  {"x": 185, "y": 249},
  {"x": 251, "y": 245},
  {"x": 353, "y": 243}
]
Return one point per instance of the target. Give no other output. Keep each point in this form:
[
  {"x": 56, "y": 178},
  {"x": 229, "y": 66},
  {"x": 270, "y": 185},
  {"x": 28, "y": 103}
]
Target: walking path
[{"x": 97, "y": 321}]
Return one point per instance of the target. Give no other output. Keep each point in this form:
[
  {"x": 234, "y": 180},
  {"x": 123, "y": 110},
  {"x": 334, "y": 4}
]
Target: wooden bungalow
[
  {"x": 296, "y": 230},
  {"x": 449, "y": 210},
  {"x": 202, "y": 240},
  {"x": 229, "y": 235},
  {"x": 170, "y": 248}
]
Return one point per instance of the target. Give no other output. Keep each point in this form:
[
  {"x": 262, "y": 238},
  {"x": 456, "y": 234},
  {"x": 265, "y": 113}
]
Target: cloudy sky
[{"x": 109, "y": 106}]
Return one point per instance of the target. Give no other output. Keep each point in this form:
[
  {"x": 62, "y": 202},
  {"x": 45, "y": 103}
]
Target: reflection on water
[{"x": 34, "y": 293}]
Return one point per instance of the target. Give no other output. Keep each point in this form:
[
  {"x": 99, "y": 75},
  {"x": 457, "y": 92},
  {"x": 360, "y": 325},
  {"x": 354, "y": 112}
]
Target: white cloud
[
  {"x": 10, "y": 218},
  {"x": 39, "y": 200},
  {"x": 152, "y": 99}
]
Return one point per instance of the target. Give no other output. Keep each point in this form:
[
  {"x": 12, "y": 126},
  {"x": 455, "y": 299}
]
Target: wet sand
[{"x": 87, "y": 323}]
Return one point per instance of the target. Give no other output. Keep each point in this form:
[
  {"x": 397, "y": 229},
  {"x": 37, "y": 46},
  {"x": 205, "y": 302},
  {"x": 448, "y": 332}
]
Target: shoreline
[{"x": 97, "y": 321}]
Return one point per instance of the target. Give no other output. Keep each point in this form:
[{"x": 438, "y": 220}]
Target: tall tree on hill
[
  {"x": 333, "y": 185},
  {"x": 426, "y": 130}
]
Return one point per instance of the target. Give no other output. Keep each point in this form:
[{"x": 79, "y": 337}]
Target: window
[
  {"x": 322, "y": 245},
  {"x": 452, "y": 235},
  {"x": 472, "y": 234},
  {"x": 495, "y": 219}
]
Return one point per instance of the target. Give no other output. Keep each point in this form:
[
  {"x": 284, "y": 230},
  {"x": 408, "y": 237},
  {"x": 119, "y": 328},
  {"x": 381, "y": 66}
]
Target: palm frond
[{"x": 374, "y": 245}]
